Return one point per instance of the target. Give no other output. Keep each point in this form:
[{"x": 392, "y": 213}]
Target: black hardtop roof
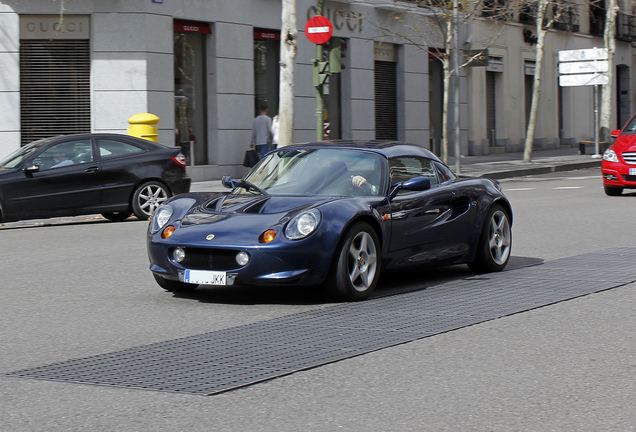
[{"x": 387, "y": 148}]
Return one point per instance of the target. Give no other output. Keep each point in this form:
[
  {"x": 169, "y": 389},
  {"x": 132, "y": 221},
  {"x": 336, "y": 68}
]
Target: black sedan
[
  {"x": 71, "y": 175},
  {"x": 331, "y": 213}
]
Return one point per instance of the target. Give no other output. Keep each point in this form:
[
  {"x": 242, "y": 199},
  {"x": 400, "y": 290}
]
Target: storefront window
[
  {"x": 190, "y": 93},
  {"x": 266, "y": 70}
]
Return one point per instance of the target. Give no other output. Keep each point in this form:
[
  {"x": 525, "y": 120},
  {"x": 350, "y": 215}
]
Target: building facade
[{"x": 205, "y": 66}]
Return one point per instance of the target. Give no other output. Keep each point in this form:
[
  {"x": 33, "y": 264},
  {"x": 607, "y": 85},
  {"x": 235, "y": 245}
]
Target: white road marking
[
  {"x": 520, "y": 189},
  {"x": 568, "y": 187}
]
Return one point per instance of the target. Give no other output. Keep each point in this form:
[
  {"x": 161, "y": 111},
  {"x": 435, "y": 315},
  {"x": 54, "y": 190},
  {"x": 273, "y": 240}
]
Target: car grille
[
  {"x": 629, "y": 178},
  {"x": 630, "y": 158},
  {"x": 210, "y": 259}
]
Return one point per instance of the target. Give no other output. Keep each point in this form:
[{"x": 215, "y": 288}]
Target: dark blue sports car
[{"x": 331, "y": 213}]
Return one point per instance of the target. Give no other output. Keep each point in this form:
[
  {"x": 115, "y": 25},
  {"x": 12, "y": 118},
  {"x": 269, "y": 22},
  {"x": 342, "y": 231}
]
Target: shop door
[{"x": 190, "y": 90}]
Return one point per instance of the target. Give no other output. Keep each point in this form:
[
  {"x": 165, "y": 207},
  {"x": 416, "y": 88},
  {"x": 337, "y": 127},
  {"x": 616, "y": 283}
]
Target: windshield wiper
[{"x": 248, "y": 185}]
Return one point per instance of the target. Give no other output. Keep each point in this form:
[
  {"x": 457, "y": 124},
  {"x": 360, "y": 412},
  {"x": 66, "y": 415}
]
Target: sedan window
[
  {"x": 111, "y": 148},
  {"x": 64, "y": 154}
]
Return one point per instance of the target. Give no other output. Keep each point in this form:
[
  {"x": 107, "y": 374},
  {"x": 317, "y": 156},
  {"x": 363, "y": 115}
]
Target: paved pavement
[{"x": 496, "y": 166}]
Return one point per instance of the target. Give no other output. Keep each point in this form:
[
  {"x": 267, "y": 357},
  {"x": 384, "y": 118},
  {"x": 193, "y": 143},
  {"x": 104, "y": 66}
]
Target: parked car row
[{"x": 112, "y": 174}]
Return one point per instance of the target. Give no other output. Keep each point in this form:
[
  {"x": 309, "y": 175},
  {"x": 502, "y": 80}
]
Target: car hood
[
  {"x": 245, "y": 212},
  {"x": 625, "y": 143}
]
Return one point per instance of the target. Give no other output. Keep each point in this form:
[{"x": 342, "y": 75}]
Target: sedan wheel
[
  {"x": 357, "y": 269},
  {"x": 149, "y": 197},
  {"x": 495, "y": 242}
]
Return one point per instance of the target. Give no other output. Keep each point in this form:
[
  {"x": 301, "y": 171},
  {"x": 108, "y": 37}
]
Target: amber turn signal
[
  {"x": 167, "y": 231},
  {"x": 267, "y": 236}
]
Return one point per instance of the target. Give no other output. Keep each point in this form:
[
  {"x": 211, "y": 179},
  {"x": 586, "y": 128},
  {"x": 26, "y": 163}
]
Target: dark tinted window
[
  {"x": 109, "y": 148},
  {"x": 65, "y": 154},
  {"x": 404, "y": 168}
]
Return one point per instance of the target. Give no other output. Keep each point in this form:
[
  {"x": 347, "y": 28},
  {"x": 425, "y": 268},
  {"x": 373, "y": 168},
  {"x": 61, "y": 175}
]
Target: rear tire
[
  {"x": 495, "y": 242},
  {"x": 149, "y": 197},
  {"x": 613, "y": 190},
  {"x": 173, "y": 285},
  {"x": 356, "y": 271}
]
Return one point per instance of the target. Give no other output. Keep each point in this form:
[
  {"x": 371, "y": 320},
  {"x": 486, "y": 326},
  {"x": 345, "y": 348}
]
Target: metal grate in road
[{"x": 227, "y": 359}]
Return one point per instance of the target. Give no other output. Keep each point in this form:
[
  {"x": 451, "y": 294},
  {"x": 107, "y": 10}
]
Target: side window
[
  {"x": 65, "y": 154},
  {"x": 405, "y": 168},
  {"x": 111, "y": 148},
  {"x": 444, "y": 174}
]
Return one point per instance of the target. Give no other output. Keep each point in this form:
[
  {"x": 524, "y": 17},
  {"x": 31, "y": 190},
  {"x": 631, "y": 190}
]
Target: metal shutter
[
  {"x": 385, "y": 100},
  {"x": 54, "y": 88}
]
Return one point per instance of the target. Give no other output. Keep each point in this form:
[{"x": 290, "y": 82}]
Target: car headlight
[
  {"x": 610, "y": 156},
  {"x": 161, "y": 217},
  {"x": 302, "y": 225}
]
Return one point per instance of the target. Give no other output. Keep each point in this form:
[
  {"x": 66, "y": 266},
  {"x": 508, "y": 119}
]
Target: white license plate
[
  {"x": 632, "y": 171},
  {"x": 205, "y": 277}
]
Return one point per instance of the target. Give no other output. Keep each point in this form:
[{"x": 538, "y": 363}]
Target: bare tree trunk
[
  {"x": 445, "y": 104},
  {"x": 536, "y": 86},
  {"x": 288, "y": 48},
  {"x": 446, "y": 97},
  {"x": 610, "y": 45}
]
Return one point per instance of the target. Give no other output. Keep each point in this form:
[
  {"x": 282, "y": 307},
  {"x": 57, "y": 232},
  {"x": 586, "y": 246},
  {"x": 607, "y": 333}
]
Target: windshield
[
  {"x": 328, "y": 172},
  {"x": 16, "y": 158},
  {"x": 630, "y": 127}
]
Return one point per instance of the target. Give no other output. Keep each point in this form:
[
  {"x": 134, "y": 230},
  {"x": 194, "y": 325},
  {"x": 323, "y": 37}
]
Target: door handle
[{"x": 91, "y": 169}]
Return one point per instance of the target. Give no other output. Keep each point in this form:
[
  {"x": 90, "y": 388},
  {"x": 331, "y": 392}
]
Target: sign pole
[
  {"x": 585, "y": 67},
  {"x": 596, "y": 121},
  {"x": 320, "y": 109}
]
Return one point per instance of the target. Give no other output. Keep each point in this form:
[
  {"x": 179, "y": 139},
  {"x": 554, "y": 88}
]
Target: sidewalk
[{"x": 495, "y": 166}]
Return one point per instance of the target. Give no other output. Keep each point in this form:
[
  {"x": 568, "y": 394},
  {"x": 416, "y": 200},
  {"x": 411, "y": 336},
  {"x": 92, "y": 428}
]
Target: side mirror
[
  {"x": 615, "y": 133},
  {"x": 416, "y": 184},
  {"x": 32, "y": 168},
  {"x": 228, "y": 182}
]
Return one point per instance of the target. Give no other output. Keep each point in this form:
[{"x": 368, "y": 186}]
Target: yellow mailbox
[{"x": 144, "y": 125}]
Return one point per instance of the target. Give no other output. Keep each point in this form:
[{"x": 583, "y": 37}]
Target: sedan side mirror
[
  {"x": 615, "y": 133},
  {"x": 416, "y": 184},
  {"x": 32, "y": 168},
  {"x": 228, "y": 182}
]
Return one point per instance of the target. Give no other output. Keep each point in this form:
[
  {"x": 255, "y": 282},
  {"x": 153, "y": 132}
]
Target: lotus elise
[{"x": 335, "y": 214}]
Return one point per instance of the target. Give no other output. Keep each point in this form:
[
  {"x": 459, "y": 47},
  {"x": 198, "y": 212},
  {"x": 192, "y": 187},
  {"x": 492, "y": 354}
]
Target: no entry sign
[{"x": 318, "y": 29}]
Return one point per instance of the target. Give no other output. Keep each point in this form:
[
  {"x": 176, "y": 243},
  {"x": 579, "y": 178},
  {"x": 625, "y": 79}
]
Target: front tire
[
  {"x": 495, "y": 242},
  {"x": 613, "y": 190},
  {"x": 173, "y": 285},
  {"x": 149, "y": 197},
  {"x": 356, "y": 270},
  {"x": 116, "y": 216}
]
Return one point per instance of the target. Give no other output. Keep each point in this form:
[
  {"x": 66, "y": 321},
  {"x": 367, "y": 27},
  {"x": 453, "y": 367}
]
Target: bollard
[{"x": 144, "y": 125}]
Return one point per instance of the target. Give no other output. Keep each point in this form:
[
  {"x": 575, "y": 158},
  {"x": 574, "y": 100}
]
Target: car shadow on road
[{"x": 391, "y": 283}]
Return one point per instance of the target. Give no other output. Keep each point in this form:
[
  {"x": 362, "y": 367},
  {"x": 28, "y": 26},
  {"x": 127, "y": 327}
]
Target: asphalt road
[{"x": 78, "y": 289}]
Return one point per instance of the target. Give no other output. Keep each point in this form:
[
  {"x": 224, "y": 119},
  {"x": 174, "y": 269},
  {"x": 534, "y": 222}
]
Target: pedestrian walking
[{"x": 262, "y": 131}]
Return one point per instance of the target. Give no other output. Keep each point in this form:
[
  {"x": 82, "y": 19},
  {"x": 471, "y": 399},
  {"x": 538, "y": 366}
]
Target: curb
[{"x": 545, "y": 169}]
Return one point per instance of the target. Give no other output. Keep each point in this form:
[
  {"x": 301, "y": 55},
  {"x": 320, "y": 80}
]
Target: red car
[{"x": 619, "y": 161}]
